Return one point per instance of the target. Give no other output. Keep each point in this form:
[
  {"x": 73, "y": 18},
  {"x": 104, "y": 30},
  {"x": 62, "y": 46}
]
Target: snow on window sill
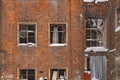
[
  {"x": 27, "y": 44},
  {"x": 57, "y": 44},
  {"x": 96, "y": 49},
  {"x": 96, "y": 1}
]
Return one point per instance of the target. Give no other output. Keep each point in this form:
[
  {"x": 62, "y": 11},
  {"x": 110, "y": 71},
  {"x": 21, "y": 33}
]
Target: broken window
[
  {"x": 27, "y": 74},
  {"x": 26, "y": 33},
  {"x": 94, "y": 32},
  {"x": 57, "y": 74},
  {"x": 57, "y": 33}
]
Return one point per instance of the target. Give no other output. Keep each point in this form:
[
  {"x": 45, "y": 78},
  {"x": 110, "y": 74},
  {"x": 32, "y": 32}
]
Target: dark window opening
[
  {"x": 57, "y": 33},
  {"x": 26, "y": 33},
  {"x": 58, "y": 74},
  {"x": 27, "y": 74},
  {"x": 88, "y": 64},
  {"x": 94, "y": 32}
]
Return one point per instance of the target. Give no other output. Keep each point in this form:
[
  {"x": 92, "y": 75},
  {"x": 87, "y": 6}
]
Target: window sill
[
  {"x": 29, "y": 44},
  {"x": 96, "y": 49},
  {"x": 55, "y": 44}
]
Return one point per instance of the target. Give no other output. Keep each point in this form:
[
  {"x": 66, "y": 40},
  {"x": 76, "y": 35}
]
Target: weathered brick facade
[{"x": 42, "y": 57}]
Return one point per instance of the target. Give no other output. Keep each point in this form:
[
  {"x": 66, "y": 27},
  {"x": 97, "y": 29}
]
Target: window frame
[
  {"x": 66, "y": 72},
  {"x": 104, "y": 32},
  {"x": 35, "y": 72},
  {"x": 27, "y": 23},
  {"x": 66, "y": 34}
]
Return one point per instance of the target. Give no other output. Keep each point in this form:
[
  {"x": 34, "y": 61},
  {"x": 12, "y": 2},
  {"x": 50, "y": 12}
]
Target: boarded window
[
  {"x": 57, "y": 33},
  {"x": 27, "y": 74},
  {"x": 94, "y": 32},
  {"x": 26, "y": 33},
  {"x": 58, "y": 74}
]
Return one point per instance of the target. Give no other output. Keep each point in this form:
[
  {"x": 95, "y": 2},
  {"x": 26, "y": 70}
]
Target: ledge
[{"x": 55, "y": 44}]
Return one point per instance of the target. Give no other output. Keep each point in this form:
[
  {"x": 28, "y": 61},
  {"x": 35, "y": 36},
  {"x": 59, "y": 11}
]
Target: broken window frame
[
  {"x": 94, "y": 33},
  {"x": 28, "y": 33},
  {"x": 58, "y": 74},
  {"x": 58, "y": 34},
  {"x": 25, "y": 74}
]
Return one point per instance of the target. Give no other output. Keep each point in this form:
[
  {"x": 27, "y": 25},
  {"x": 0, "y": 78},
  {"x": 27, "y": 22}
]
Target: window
[
  {"x": 58, "y": 74},
  {"x": 94, "y": 33},
  {"x": 26, "y": 33},
  {"x": 27, "y": 74},
  {"x": 57, "y": 33}
]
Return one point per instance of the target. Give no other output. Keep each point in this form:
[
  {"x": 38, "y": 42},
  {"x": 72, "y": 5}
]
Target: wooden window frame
[
  {"x": 58, "y": 69},
  {"x": 90, "y": 39},
  {"x": 57, "y": 44},
  {"x": 35, "y": 33},
  {"x": 35, "y": 73}
]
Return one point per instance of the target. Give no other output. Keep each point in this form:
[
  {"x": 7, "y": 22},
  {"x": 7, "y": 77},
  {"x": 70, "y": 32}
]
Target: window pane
[
  {"x": 51, "y": 37},
  {"x": 31, "y": 71},
  {"x": 88, "y": 64},
  {"x": 23, "y": 27},
  {"x": 23, "y": 71},
  {"x": 31, "y": 39},
  {"x": 88, "y": 34},
  {"x": 22, "y": 74},
  {"x": 88, "y": 43},
  {"x": 31, "y": 77},
  {"x": 31, "y": 27},
  {"x": 60, "y": 28},
  {"x": 94, "y": 34},
  {"x": 93, "y": 43},
  {"x": 51, "y": 28},
  {"x": 31, "y": 34},
  {"x": 23, "y": 37},
  {"x": 62, "y": 72}
]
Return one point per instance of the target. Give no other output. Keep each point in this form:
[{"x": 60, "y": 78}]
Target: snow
[
  {"x": 96, "y": 49},
  {"x": 94, "y": 78},
  {"x": 87, "y": 72},
  {"x": 56, "y": 44},
  {"x": 96, "y": 1},
  {"x": 112, "y": 50},
  {"x": 88, "y": 0},
  {"x": 117, "y": 29}
]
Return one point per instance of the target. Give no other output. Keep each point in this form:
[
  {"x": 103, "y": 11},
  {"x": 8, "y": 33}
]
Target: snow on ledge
[
  {"x": 96, "y": 1},
  {"x": 55, "y": 44},
  {"x": 96, "y": 49},
  {"x": 88, "y": 0},
  {"x": 117, "y": 29}
]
